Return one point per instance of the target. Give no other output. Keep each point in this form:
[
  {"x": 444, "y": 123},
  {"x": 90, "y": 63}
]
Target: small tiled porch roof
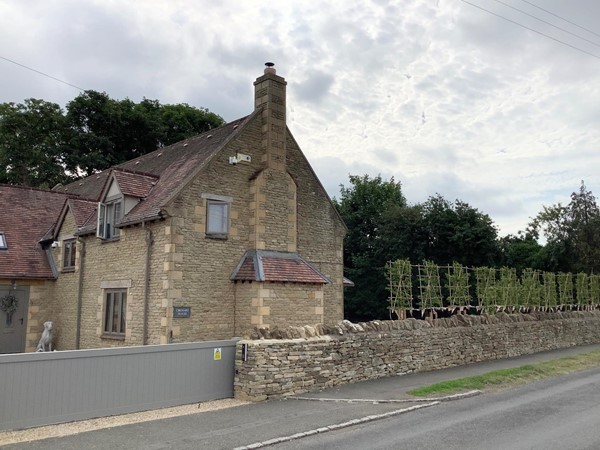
[{"x": 268, "y": 265}]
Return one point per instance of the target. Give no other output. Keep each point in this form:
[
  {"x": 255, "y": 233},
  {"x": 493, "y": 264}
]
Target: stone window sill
[
  {"x": 221, "y": 237},
  {"x": 114, "y": 239},
  {"x": 114, "y": 337}
]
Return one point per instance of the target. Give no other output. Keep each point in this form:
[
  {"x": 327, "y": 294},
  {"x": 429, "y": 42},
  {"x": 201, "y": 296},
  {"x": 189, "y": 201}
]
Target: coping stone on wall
[{"x": 346, "y": 327}]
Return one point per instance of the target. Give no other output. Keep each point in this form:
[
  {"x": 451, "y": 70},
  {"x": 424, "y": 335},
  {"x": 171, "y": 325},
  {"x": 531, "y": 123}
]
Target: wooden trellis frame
[
  {"x": 507, "y": 288},
  {"x": 430, "y": 289},
  {"x": 531, "y": 289},
  {"x": 485, "y": 287},
  {"x": 399, "y": 286},
  {"x": 495, "y": 289},
  {"x": 582, "y": 285},
  {"x": 457, "y": 277},
  {"x": 595, "y": 288},
  {"x": 549, "y": 289},
  {"x": 565, "y": 288}
]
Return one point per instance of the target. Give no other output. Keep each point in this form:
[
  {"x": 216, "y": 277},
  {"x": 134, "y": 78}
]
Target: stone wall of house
[
  {"x": 277, "y": 305},
  {"x": 279, "y": 205},
  {"x": 65, "y": 289},
  {"x": 206, "y": 263},
  {"x": 292, "y": 304},
  {"x": 322, "y": 357},
  {"x": 320, "y": 231},
  {"x": 262, "y": 216},
  {"x": 121, "y": 263},
  {"x": 40, "y": 310}
]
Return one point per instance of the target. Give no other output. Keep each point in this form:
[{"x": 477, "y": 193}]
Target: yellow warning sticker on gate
[{"x": 217, "y": 354}]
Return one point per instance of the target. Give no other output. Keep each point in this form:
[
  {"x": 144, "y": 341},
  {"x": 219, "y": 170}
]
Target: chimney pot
[{"x": 270, "y": 68}]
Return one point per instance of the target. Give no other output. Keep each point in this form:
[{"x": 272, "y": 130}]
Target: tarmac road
[
  {"x": 553, "y": 414},
  {"x": 249, "y": 424}
]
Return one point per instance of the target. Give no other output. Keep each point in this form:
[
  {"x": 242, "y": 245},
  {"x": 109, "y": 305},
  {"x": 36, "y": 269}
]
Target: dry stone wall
[{"x": 295, "y": 360}]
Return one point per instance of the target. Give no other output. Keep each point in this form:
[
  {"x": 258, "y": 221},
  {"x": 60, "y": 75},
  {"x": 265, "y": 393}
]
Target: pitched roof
[
  {"x": 268, "y": 265},
  {"x": 158, "y": 176},
  {"x": 82, "y": 210},
  {"x": 134, "y": 184},
  {"x": 27, "y": 216}
]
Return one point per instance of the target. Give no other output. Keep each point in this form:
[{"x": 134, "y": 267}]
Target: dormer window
[
  {"x": 3, "y": 245},
  {"x": 109, "y": 215}
]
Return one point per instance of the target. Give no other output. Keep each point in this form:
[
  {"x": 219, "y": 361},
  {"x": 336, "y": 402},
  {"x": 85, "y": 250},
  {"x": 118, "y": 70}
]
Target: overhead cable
[
  {"x": 531, "y": 29},
  {"x": 560, "y": 17},
  {"x": 42, "y": 73},
  {"x": 546, "y": 22}
]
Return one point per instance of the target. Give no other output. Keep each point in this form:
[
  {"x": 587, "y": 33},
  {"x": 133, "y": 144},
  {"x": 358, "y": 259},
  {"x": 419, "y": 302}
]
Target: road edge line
[{"x": 336, "y": 426}]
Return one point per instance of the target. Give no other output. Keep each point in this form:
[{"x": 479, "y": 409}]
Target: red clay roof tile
[
  {"x": 265, "y": 265},
  {"x": 134, "y": 184},
  {"x": 27, "y": 216}
]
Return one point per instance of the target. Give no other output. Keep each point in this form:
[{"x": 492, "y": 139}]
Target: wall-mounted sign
[
  {"x": 217, "y": 354},
  {"x": 182, "y": 312}
]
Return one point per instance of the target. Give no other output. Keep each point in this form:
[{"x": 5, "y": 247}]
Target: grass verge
[{"x": 511, "y": 377}]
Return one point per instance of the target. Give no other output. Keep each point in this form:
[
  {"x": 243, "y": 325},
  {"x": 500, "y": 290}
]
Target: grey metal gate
[{"x": 54, "y": 387}]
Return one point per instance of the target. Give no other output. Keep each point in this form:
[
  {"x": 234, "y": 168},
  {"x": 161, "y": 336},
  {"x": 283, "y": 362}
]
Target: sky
[{"x": 447, "y": 96}]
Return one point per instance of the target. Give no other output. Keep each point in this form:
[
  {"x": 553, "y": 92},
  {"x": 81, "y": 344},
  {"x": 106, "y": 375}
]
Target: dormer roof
[{"x": 134, "y": 184}]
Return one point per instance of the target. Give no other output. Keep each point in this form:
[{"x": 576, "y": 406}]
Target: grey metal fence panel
[{"x": 55, "y": 387}]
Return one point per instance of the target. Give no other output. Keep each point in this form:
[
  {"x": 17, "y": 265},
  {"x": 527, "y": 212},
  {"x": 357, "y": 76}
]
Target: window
[
  {"x": 115, "y": 306},
  {"x": 109, "y": 215},
  {"x": 69, "y": 251},
  {"x": 217, "y": 218},
  {"x": 3, "y": 245}
]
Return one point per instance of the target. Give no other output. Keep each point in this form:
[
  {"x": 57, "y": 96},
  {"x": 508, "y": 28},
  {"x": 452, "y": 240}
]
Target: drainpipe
[
  {"x": 79, "y": 293},
  {"x": 149, "y": 242}
]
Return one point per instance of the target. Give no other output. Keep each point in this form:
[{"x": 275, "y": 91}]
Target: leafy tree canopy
[
  {"x": 42, "y": 145},
  {"x": 362, "y": 206},
  {"x": 457, "y": 232},
  {"x": 32, "y": 143},
  {"x": 383, "y": 227},
  {"x": 572, "y": 233}
]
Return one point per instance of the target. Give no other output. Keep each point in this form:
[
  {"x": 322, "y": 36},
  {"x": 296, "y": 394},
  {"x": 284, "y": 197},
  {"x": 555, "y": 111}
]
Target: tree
[
  {"x": 382, "y": 228},
  {"x": 362, "y": 206},
  {"x": 404, "y": 234},
  {"x": 32, "y": 143},
  {"x": 572, "y": 233},
  {"x": 585, "y": 230},
  {"x": 457, "y": 232},
  {"x": 521, "y": 252},
  {"x": 105, "y": 132},
  {"x": 42, "y": 145}
]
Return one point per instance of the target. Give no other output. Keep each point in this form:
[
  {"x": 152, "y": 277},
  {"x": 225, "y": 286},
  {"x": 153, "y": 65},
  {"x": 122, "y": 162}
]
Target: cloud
[
  {"x": 314, "y": 88},
  {"x": 443, "y": 96}
]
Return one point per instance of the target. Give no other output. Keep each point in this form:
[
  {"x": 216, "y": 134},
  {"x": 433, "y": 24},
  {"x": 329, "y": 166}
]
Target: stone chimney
[{"x": 269, "y": 95}]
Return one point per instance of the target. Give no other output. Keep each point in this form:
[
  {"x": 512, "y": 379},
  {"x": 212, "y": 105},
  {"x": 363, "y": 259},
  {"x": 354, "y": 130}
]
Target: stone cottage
[{"x": 200, "y": 240}]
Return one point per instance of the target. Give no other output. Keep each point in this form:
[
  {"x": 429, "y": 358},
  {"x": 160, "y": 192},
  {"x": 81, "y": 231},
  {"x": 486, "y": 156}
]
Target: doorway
[{"x": 13, "y": 327}]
